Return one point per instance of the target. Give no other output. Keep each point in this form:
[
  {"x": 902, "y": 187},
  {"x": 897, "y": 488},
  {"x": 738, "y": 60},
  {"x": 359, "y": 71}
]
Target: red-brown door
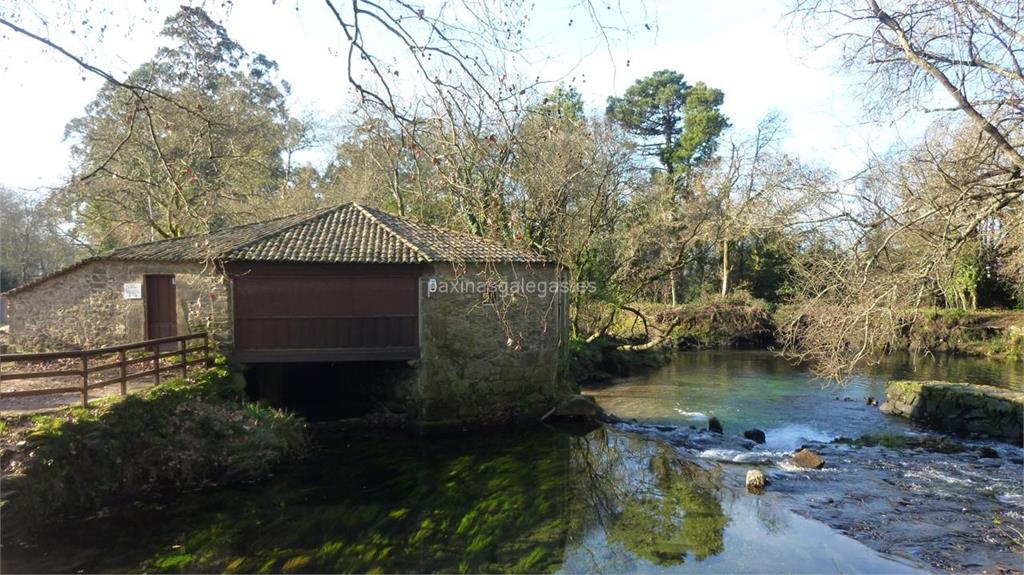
[{"x": 161, "y": 310}]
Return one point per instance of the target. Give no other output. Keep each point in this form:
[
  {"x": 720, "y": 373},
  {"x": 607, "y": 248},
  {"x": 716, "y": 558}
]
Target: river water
[
  {"x": 757, "y": 389},
  {"x": 650, "y": 495}
]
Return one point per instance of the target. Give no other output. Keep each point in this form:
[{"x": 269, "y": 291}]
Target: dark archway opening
[{"x": 329, "y": 391}]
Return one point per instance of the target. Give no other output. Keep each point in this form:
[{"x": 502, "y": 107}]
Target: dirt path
[{"x": 43, "y": 403}]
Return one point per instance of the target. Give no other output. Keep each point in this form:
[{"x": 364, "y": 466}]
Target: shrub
[
  {"x": 600, "y": 360},
  {"x": 177, "y": 434},
  {"x": 735, "y": 320}
]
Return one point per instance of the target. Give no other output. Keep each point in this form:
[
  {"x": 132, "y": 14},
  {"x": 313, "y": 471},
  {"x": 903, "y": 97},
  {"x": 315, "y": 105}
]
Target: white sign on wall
[{"x": 132, "y": 290}]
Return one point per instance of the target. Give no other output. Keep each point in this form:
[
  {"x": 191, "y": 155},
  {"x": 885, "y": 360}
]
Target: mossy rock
[{"x": 963, "y": 408}]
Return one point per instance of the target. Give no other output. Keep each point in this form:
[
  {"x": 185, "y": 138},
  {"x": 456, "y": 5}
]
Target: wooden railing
[{"x": 128, "y": 355}]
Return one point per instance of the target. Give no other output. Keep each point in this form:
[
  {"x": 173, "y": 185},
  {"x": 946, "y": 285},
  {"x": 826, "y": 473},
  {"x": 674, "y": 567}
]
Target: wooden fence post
[
  {"x": 124, "y": 372},
  {"x": 85, "y": 380},
  {"x": 206, "y": 349},
  {"x": 156, "y": 363},
  {"x": 184, "y": 358}
]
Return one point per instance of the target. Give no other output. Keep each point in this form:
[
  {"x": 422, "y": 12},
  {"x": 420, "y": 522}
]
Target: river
[{"x": 647, "y": 495}]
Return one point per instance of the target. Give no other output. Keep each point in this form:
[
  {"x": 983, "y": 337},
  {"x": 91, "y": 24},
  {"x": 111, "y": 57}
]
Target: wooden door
[{"x": 161, "y": 307}]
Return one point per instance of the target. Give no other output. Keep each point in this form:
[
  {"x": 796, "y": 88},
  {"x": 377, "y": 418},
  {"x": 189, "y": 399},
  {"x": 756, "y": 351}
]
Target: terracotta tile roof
[
  {"x": 203, "y": 247},
  {"x": 349, "y": 233}
]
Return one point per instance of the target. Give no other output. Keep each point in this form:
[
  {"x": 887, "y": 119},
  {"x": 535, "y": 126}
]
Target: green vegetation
[
  {"x": 679, "y": 124},
  {"x": 215, "y": 97},
  {"x": 986, "y": 333},
  {"x": 179, "y": 434},
  {"x": 936, "y": 444},
  {"x": 495, "y": 505},
  {"x": 735, "y": 320},
  {"x": 683, "y": 517},
  {"x": 602, "y": 359}
]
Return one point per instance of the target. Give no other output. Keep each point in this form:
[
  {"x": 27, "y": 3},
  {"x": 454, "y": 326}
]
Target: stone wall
[
  {"x": 491, "y": 356},
  {"x": 85, "y": 307},
  {"x": 963, "y": 408}
]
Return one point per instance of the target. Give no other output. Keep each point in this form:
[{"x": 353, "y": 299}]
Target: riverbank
[
  {"x": 946, "y": 503},
  {"x": 644, "y": 496},
  {"x": 182, "y": 434},
  {"x": 644, "y": 338},
  {"x": 996, "y": 334}
]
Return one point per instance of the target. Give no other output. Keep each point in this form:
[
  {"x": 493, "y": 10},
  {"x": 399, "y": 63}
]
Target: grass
[
  {"x": 177, "y": 434},
  {"x": 895, "y": 441}
]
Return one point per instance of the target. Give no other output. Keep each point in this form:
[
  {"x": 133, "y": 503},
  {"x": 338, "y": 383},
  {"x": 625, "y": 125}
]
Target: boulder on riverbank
[
  {"x": 962, "y": 408},
  {"x": 578, "y": 407},
  {"x": 756, "y": 481},
  {"x": 808, "y": 459},
  {"x": 755, "y": 435}
]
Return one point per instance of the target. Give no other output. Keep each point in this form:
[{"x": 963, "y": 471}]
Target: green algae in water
[
  {"x": 679, "y": 516},
  {"x": 515, "y": 502},
  {"x": 499, "y": 502},
  {"x": 402, "y": 506}
]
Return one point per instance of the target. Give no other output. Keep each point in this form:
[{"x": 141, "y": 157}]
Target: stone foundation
[
  {"x": 962, "y": 408},
  {"x": 496, "y": 356}
]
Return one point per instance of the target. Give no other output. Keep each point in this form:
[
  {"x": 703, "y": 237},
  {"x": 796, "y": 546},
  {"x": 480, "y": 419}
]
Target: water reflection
[
  {"x": 661, "y": 512},
  {"x": 609, "y": 501},
  {"x": 1009, "y": 374}
]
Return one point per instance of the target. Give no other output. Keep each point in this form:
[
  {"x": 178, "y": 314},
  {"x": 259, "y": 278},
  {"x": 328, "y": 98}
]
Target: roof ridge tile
[{"x": 409, "y": 243}]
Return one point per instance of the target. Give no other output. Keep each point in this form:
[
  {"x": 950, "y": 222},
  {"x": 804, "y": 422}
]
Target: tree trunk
[
  {"x": 672, "y": 286},
  {"x": 725, "y": 267}
]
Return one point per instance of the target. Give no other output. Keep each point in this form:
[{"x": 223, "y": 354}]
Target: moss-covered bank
[
  {"x": 984, "y": 333},
  {"x": 180, "y": 434},
  {"x": 645, "y": 334},
  {"x": 601, "y": 360},
  {"x": 741, "y": 321},
  {"x": 963, "y": 408},
  {"x": 712, "y": 321}
]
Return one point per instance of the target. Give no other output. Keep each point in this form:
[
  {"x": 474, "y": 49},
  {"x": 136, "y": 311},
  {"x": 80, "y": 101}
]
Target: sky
[{"x": 743, "y": 47}]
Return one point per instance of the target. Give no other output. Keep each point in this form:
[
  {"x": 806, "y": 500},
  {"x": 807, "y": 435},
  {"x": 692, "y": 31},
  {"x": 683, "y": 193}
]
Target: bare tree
[
  {"x": 917, "y": 213},
  {"x": 921, "y": 218},
  {"x": 970, "y": 50},
  {"x": 758, "y": 189}
]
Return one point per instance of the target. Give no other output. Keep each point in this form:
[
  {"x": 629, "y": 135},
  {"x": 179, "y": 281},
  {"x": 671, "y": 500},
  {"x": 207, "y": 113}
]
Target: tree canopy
[
  {"x": 677, "y": 123},
  {"x": 205, "y": 155}
]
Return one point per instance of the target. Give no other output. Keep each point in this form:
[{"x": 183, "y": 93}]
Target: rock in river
[
  {"x": 961, "y": 408},
  {"x": 714, "y": 425},
  {"x": 986, "y": 452},
  {"x": 755, "y": 435},
  {"x": 756, "y": 481},
  {"x": 578, "y": 407},
  {"x": 808, "y": 459}
]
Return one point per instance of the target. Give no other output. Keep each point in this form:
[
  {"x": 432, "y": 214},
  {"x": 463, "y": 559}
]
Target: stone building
[{"x": 478, "y": 328}]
